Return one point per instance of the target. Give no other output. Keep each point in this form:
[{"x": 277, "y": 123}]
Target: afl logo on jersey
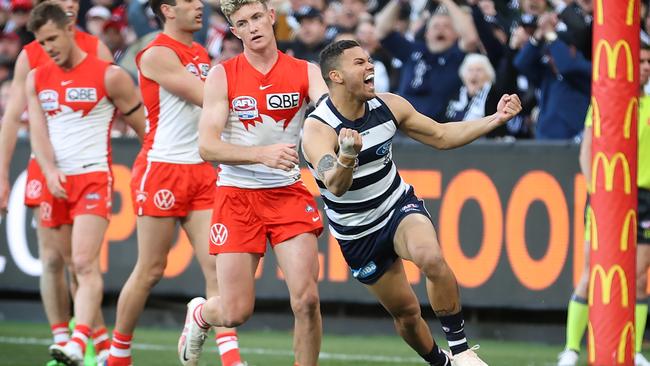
[
  {"x": 282, "y": 101},
  {"x": 245, "y": 107},
  {"x": 49, "y": 100},
  {"x": 81, "y": 95}
]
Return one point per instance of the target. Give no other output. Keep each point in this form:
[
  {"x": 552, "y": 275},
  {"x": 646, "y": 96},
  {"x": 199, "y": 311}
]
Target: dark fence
[{"x": 509, "y": 218}]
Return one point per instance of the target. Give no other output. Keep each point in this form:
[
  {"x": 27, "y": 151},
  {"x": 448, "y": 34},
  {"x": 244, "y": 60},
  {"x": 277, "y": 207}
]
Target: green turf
[{"x": 25, "y": 344}]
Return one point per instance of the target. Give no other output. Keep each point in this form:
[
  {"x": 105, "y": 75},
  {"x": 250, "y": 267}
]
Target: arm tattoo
[{"x": 326, "y": 163}]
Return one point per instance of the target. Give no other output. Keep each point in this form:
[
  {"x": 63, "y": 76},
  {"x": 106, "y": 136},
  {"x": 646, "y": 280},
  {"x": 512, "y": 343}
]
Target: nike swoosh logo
[
  {"x": 314, "y": 219},
  {"x": 195, "y": 58},
  {"x": 90, "y": 207},
  {"x": 64, "y": 83},
  {"x": 264, "y": 87}
]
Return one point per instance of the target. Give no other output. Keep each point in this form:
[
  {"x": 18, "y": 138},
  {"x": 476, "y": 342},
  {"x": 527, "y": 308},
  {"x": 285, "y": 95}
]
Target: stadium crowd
[{"x": 451, "y": 59}]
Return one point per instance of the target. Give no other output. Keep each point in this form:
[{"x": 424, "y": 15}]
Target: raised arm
[
  {"x": 163, "y": 66},
  {"x": 452, "y": 134},
  {"x": 387, "y": 18},
  {"x": 126, "y": 98},
  {"x": 319, "y": 143},
  {"x": 40, "y": 139},
  {"x": 11, "y": 124},
  {"x": 214, "y": 116},
  {"x": 464, "y": 25},
  {"x": 317, "y": 86}
]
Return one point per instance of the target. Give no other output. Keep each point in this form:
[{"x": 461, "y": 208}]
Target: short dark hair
[
  {"x": 156, "y": 6},
  {"x": 329, "y": 56},
  {"x": 644, "y": 46},
  {"x": 45, "y": 12}
]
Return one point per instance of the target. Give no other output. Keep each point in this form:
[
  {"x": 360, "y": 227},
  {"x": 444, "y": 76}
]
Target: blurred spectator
[
  {"x": 18, "y": 20},
  {"x": 350, "y": 13},
  {"x": 10, "y": 46},
  {"x": 310, "y": 39},
  {"x": 113, "y": 37},
  {"x": 429, "y": 75},
  {"x": 366, "y": 35},
  {"x": 231, "y": 46},
  {"x": 478, "y": 76},
  {"x": 575, "y": 23},
  {"x": 562, "y": 75},
  {"x": 96, "y": 18},
  {"x": 219, "y": 27},
  {"x": 6, "y": 68},
  {"x": 533, "y": 7}
]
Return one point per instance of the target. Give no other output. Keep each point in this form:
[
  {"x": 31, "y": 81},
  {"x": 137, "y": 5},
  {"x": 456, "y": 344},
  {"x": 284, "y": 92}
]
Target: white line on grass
[{"x": 258, "y": 351}]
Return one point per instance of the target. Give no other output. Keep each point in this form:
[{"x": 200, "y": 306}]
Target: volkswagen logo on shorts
[
  {"x": 34, "y": 189},
  {"x": 218, "y": 234},
  {"x": 46, "y": 211},
  {"x": 164, "y": 199}
]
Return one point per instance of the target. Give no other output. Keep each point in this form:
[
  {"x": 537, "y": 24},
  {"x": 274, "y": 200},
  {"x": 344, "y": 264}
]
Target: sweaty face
[
  {"x": 253, "y": 24},
  {"x": 57, "y": 42},
  {"x": 188, "y": 15},
  {"x": 357, "y": 72},
  {"x": 71, "y": 8}
]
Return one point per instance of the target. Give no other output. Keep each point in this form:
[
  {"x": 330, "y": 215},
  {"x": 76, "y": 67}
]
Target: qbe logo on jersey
[
  {"x": 80, "y": 95},
  {"x": 49, "y": 100},
  {"x": 282, "y": 101},
  {"x": 245, "y": 107}
]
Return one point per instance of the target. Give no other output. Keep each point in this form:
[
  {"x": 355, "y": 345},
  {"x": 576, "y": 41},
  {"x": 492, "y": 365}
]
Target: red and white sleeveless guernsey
[
  {"x": 169, "y": 177},
  {"x": 36, "y": 57},
  {"x": 172, "y": 127},
  {"x": 264, "y": 110},
  {"x": 79, "y": 114}
]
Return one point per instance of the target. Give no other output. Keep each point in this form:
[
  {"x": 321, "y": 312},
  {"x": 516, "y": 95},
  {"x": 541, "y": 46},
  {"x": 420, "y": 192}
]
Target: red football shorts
[
  {"x": 171, "y": 190},
  {"x": 35, "y": 184},
  {"x": 244, "y": 219},
  {"x": 88, "y": 194}
]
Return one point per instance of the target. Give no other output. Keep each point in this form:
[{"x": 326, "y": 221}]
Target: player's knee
[
  {"x": 236, "y": 313},
  {"x": 52, "y": 261},
  {"x": 433, "y": 265},
  {"x": 306, "y": 304},
  {"x": 150, "y": 275},
  {"x": 408, "y": 317},
  {"x": 83, "y": 266}
]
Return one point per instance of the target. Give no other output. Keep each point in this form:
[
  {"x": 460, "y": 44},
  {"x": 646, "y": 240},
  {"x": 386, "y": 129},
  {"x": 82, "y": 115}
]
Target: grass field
[{"x": 25, "y": 344}]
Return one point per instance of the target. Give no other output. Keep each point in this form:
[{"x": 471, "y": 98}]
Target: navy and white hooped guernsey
[{"x": 376, "y": 185}]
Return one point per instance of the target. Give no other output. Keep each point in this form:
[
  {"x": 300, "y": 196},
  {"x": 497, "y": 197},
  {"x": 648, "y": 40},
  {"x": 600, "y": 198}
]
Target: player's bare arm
[
  {"x": 41, "y": 144},
  {"x": 126, "y": 98},
  {"x": 317, "y": 86},
  {"x": 451, "y": 134},
  {"x": 162, "y": 65},
  {"x": 11, "y": 124},
  {"x": 214, "y": 116},
  {"x": 320, "y": 144},
  {"x": 103, "y": 53}
]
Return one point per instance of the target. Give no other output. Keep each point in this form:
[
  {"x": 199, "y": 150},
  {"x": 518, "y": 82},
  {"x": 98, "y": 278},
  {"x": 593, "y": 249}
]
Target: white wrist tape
[{"x": 346, "y": 146}]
